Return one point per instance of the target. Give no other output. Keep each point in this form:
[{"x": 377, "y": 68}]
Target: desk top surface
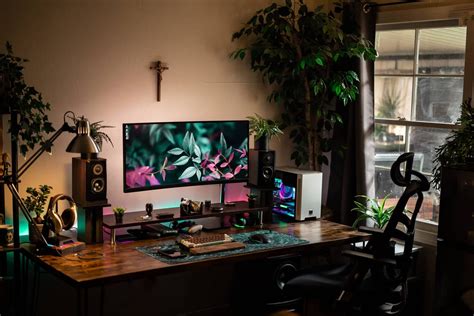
[{"x": 106, "y": 263}]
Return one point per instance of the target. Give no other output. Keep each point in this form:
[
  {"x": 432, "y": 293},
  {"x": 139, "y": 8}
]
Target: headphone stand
[{"x": 60, "y": 240}]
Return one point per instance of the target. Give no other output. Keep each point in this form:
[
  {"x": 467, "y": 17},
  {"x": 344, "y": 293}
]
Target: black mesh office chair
[{"x": 375, "y": 282}]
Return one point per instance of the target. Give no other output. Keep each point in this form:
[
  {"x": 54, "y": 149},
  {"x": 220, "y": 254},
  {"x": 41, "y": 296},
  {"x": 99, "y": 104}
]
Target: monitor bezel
[{"x": 177, "y": 185}]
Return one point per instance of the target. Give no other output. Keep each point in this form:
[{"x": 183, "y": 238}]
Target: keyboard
[{"x": 205, "y": 240}]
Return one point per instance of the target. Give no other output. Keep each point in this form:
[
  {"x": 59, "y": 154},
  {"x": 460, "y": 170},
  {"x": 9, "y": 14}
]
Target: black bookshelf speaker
[
  {"x": 261, "y": 168},
  {"x": 89, "y": 180}
]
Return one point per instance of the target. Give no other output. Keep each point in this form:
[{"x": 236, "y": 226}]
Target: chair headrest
[{"x": 404, "y": 180}]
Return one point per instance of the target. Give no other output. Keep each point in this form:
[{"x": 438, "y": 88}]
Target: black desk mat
[{"x": 278, "y": 240}]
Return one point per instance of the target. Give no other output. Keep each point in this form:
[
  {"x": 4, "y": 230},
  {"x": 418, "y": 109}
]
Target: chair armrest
[
  {"x": 369, "y": 257},
  {"x": 371, "y": 230}
]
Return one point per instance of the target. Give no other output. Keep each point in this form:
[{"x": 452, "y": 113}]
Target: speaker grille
[
  {"x": 261, "y": 167},
  {"x": 89, "y": 180}
]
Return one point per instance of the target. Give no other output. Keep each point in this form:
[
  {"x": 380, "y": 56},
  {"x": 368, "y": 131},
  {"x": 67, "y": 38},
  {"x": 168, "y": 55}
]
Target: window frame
[{"x": 424, "y": 15}]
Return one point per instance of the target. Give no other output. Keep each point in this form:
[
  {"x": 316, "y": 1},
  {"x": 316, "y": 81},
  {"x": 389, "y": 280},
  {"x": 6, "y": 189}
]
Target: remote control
[{"x": 165, "y": 215}]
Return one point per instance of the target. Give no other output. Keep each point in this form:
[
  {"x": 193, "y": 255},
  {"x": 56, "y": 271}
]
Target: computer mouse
[{"x": 260, "y": 238}]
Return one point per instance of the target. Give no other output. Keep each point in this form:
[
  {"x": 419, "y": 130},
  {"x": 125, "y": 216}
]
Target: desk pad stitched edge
[{"x": 277, "y": 240}]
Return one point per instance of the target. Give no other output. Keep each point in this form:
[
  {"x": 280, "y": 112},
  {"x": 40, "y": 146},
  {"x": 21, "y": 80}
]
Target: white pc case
[{"x": 299, "y": 194}]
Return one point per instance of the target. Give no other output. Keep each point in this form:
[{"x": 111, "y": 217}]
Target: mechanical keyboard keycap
[{"x": 205, "y": 240}]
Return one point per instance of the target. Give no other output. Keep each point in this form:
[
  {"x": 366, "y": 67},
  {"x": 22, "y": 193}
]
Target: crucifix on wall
[{"x": 159, "y": 67}]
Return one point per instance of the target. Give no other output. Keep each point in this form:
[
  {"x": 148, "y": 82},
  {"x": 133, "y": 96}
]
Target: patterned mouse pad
[{"x": 276, "y": 240}]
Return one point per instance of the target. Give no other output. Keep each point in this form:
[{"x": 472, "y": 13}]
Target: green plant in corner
[
  {"x": 26, "y": 101},
  {"x": 372, "y": 209},
  {"x": 459, "y": 146},
  {"x": 300, "y": 54},
  {"x": 36, "y": 200}
]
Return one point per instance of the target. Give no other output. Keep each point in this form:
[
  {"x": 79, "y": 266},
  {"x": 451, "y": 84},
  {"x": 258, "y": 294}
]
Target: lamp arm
[{"x": 47, "y": 144}]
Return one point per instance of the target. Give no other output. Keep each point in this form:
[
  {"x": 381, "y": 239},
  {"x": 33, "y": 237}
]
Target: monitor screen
[{"x": 162, "y": 155}]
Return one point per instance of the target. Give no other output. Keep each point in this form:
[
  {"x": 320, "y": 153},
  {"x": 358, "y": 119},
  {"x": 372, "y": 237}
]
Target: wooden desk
[{"x": 122, "y": 261}]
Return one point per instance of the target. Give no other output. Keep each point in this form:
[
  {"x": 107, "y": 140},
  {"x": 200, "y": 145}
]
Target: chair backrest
[{"x": 412, "y": 187}]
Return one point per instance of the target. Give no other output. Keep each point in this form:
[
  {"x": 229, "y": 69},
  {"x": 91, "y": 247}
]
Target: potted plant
[
  {"x": 252, "y": 199},
  {"x": 118, "y": 212},
  {"x": 374, "y": 210},
  {"x": 458, "y": 150},
  {"x": 97, "y": 135},
  {"x": 263, "y": 130},
  {"x": 24, "y": 102},
  {"x": 301, "y": 54},
  {"x": 35, "y": 203}
]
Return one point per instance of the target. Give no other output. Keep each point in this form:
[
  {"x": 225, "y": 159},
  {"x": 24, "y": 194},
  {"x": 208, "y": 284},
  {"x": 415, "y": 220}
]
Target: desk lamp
[{"x": 81, "y": 143}]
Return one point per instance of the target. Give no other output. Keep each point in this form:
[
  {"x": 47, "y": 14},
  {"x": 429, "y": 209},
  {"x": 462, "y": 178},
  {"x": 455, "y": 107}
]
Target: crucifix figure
[{"x": 159, "y": 67}]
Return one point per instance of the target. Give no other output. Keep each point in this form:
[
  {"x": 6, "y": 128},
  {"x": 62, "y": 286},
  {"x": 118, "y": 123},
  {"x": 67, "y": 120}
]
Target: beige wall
[{"x": 93, "y": 57}]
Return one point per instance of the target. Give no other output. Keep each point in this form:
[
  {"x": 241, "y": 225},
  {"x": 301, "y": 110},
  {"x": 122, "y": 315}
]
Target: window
[{"x": 419, "y": 78}]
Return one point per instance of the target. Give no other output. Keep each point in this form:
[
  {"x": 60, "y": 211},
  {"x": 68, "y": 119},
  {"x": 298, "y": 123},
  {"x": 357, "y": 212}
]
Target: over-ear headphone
[{"x": 67, "y": 217}]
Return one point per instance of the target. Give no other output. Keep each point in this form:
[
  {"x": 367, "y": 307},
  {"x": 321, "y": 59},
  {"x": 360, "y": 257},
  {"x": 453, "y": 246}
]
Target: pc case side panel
[{"x": 311, "y": 192}]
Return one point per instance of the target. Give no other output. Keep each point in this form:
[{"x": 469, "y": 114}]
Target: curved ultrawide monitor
[{"x": 170, "y": 154}]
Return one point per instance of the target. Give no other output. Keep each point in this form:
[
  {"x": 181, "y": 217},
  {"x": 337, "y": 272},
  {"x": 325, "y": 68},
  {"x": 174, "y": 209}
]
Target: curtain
[{"x": 353, "y": 174}]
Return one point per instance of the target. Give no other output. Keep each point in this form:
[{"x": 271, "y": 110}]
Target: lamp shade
[{"x": 82, "y": 142}]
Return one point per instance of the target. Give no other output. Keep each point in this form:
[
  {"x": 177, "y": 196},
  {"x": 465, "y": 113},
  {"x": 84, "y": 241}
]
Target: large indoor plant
[
  {"x": 17, "y": 97},
  {"x": 458, "y": 150},
  {"x": 302, "y": 53},
  {"x": 263, "y": 130}
]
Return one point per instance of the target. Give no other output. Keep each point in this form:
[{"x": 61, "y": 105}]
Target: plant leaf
[
  {"x": 175, "y": 151},
  {"x": 188, "y": 173},
  {"x": 181, "y": 161}
]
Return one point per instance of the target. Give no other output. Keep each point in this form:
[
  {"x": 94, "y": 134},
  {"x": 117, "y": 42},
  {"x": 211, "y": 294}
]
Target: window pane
[
  {"x": 389, "y": 144},
  {"x": 423, "y": 142},
  {"x": 396, "y": 52},
  {"x": 393, "y": 97},
  {"x": 442, "y": 50},
  {"x": 439, "y": 99},
  {"x": 429, "y": 210}
]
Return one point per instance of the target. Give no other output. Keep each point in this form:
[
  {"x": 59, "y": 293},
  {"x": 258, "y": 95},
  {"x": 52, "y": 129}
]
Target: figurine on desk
[{"x": 189, "y": 207}]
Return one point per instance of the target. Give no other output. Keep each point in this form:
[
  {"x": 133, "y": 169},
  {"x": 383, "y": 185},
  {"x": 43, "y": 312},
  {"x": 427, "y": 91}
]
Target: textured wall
[{"x": 93, "y": 57}]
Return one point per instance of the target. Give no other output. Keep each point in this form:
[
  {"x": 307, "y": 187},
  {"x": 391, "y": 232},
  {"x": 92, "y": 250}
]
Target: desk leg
[
  {"x": 112, "y": 236},
  {"x": 82, "y": 296},
  {"x": 17, "y": 281},
  {"x": 35, "y": 290},
  {"x": 24, "y": 284}
]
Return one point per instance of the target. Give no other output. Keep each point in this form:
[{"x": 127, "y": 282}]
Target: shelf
[{"x": 134, "y": 218}]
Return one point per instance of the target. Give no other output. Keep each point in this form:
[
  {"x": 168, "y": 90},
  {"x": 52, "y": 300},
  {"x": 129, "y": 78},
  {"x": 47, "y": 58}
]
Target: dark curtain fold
[{"x": 353, "y": 174}]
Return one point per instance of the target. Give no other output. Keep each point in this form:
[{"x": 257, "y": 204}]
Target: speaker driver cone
[
  {"x": 97, "y": 169},
  {"x": 98, "y": 185},
  {"x": 267, "y": 172}
]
